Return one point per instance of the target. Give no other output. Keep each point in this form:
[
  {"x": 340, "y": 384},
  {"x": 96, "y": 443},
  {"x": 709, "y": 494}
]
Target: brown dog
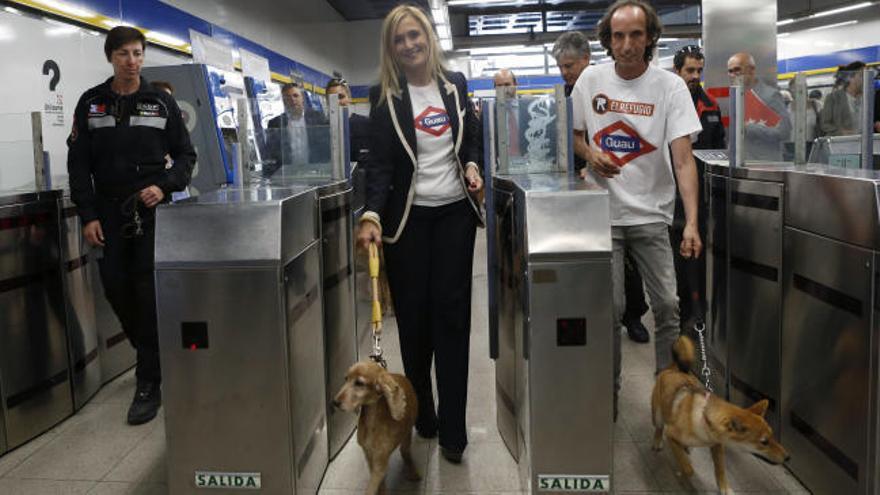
[
  {"x": 388, "y": 413},
  {"x": 688, "y": 415}
]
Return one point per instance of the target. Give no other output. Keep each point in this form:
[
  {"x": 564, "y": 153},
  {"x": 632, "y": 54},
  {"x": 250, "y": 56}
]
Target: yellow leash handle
[{"x": 374, "y": 278}]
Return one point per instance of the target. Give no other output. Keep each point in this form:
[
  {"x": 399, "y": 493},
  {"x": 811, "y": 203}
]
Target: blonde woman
[{"x": 422, "y": 180}]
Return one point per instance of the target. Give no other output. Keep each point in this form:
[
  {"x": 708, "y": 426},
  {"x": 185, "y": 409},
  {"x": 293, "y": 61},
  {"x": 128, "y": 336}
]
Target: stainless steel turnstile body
[
  {"x": 338, "y": 274},
  {"x": 553, "y": 347},
  {"x": 82, "y": 337},
  {"x": 747, "y": 323},
  {"x": 238, "y": 280},
  {"x": 831, "y": 339},
  {"x": 34, "y": 378}
]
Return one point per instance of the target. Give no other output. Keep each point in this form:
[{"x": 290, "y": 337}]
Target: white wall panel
[
  {"x": 26, "y": 43},
  {"x": 308, "y": 31}
]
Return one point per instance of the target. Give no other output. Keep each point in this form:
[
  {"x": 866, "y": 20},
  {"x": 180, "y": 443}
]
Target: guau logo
[
  {"x": 433, "y": 120},
  {"x": 622, "y": 143}
]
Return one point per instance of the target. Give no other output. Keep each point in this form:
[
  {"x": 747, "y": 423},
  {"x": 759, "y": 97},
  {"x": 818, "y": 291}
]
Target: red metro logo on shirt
[
  {"x": 622, "y": 143},
  {"x": 433, "y": 120}
]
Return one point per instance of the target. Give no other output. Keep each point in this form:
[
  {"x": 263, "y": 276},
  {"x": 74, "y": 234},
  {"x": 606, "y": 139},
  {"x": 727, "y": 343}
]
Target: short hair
[
  {"x": 291, "y": 85},
  {"x": 691, "y": 51},
  {"x": 571, "y": 44},
  {"x": 163, "y": 86},
  {"x": 337, "y": 82},
  {"x": 122, "y": 35},
  {"x": 853, "y": 66},
  {"x": 815, "y": 94},
  {"x": 653, "y": 26},
  {"x": 512, "y": 76}
]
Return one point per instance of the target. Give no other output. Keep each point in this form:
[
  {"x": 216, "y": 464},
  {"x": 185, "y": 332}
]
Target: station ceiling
[{"x": 359, "y": 10}]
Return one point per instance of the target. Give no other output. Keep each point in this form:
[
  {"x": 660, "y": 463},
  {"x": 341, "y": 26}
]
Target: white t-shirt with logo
[
  {"x": 634, "y": 121},
  {"x": 436, "y": 177}
]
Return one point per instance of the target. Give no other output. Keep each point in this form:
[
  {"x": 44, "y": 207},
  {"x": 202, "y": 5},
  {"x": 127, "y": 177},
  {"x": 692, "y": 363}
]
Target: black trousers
[
  {"x": 636, "y": 306},
  {"x": 429, "y": 271},
  {"x": 127, "y": 275}
]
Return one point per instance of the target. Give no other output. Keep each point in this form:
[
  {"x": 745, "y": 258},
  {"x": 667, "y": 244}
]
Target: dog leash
[
  {"x": 376, "y": 323},
  {"x": 700, "y": 328}
]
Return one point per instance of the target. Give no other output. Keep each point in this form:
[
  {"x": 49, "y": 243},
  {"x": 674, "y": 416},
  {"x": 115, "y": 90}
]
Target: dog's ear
[
  {"x": 759, "y": 407},
  {"x": 394, "y": 395},
  {"x": 735, "y": 426}
]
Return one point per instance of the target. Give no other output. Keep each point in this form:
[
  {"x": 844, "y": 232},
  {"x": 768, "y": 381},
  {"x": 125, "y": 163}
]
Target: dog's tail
[{"x": 684, "y": 353}]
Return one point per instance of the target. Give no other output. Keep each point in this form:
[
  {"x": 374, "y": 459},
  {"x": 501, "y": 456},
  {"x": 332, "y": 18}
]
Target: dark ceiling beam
[
  {"x": 600, "y": 5},
  {"x": 490, "y": 40}
]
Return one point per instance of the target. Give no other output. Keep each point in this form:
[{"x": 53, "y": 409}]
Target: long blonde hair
[{"x": 390, "y": 70}]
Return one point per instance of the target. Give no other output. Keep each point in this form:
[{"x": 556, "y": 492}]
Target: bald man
[
  {"x": 505, "y": 78},
  {"x": 767, "y": 121}
]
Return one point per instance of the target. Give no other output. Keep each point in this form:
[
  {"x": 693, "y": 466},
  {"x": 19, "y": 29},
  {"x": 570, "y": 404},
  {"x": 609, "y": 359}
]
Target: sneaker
[
  {"x": 147, "y": 399},
  {"x": 451, "y": 455},
  {"x": 637, "y": 331}
]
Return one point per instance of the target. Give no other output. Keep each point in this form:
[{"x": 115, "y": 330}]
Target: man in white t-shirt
[{"x": 635, "y": 114}]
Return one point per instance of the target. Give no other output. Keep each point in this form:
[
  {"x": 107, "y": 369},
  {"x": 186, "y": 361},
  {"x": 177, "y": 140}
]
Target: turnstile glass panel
[
  {"x": 527, "y": 132},
  {"x": 767, "y": 121}
]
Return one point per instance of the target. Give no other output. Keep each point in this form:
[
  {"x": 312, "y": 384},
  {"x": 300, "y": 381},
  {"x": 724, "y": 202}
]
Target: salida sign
[
  {"x": 239, "y": 481},
  {"x": 575, "y": 484}
]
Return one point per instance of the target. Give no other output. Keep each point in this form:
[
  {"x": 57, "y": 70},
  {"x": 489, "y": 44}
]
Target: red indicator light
[{"x": 192, "y": 347}]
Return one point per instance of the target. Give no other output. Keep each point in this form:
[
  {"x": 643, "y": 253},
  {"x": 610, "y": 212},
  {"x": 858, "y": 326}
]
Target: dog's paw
[
  {"x": 657, "y": 445},
  {"x": 685, "y": 473},
  {"x": 726, "y": 491}
]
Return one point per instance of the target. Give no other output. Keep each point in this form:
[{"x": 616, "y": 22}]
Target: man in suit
[
  {"x": 840, "y": 114},
  {"x": 297, "y": 137}
]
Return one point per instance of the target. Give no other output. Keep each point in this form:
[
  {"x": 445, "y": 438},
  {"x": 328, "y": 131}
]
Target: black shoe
[
  {"x": 637, "y": 331},
  {"x": 451, "y": 455},
  {"x": 147, "y": 399}
]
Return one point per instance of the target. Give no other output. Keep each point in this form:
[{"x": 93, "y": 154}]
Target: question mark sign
[{"x": 51, "y": 65}]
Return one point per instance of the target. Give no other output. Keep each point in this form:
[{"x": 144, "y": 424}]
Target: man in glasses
[
  {"x": 358, "y": 125},
  {"x": 691, "y": 274}
]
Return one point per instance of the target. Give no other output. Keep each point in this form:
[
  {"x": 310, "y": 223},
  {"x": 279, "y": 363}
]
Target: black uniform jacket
[
  {"x": 712, "y": 137},
  {"x": 118, "y": 146},
  {"x": 393, "y": 152}
]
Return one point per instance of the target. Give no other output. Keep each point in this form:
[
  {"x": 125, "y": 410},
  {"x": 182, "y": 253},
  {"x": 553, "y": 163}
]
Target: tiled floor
[{"x": 95, "y": 452}]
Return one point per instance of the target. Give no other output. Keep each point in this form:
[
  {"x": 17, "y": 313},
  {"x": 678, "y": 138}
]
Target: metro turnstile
[
  {"x": 82, "y": 338},
  {"x": 238, "y": 280},
  {"x": 553, "y": 349},
  {"x": 831, "y": 331},
  {"x": 746, "y": 321},
  {"x": 337, "y": 268},
  {"x": 34, "y": 379}
]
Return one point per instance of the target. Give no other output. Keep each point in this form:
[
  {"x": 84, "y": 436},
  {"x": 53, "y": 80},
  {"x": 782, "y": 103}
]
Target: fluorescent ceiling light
[
  {"x": 66, "y": 8},
  {"x": 843, "y": 9},
  {"x": 784, "y": 22},
  {"x": 667, "y": 40},
  {"x": 112, "y": 23},
  {"x": 838, "y": 24},
  {"x": 441, "y": 16},
  {"x": 164, "y": 38}
]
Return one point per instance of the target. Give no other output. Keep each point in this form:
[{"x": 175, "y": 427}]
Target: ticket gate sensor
[
  {"x": 554, "y": 350},
  {"x": 238, "y": 282}
]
